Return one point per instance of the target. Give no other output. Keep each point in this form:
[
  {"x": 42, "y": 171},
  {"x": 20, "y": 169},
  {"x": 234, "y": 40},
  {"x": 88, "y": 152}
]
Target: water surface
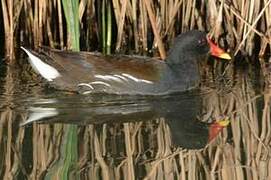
[{"x": 46, "y": 134}]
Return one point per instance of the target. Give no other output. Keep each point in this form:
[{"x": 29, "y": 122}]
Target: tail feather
[{"x": 46, "y": 71}]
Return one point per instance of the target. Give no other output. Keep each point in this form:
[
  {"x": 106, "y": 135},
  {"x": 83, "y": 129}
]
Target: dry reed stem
[
  {"x": 135, "y": 26},
  {"x": 181, "y": 157},
  {"x": 235, "y": 12},
  {"x": 218, "y": 21},
  {"x": 157, "y": 162},
  {"x": 253, "y": 24},
  {"x": 121, "y": 24},
  {"x": 7, "y": 8},
  {"x": 154, "y": 28},
  {"x": 117, "y": 10},
  {"x": 8, "y": 165},
  {"x": 50, "y": 34},
  {"x": 60, "y": 24},
  {"x": 98, "y": 156},
  {"x": 172, "y": 17},
  {"x": 190, "y": 174},
  {"x": 129, "y": 152},
  {"x": 82, "y": 8},
  {"x": 143, "y": 25},
  {"x": 216, "y": 160}
]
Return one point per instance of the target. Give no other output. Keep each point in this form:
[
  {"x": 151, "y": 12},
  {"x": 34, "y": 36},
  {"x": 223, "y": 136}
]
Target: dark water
[{"x": 48, "y": 134}]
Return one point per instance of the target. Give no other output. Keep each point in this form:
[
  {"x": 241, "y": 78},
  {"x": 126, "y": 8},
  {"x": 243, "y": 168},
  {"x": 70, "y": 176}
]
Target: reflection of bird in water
[
  {"x": 194, "y": 134},
  {"x": 186, "y": 130},
  {"x": 180, "y": 112}
]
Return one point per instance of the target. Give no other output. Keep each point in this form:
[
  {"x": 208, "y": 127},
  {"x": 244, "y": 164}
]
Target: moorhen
[{"x": 86, "y": 72}]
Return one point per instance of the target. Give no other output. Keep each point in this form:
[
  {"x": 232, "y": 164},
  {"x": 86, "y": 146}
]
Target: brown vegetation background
[{"x": 138, "y": 26}]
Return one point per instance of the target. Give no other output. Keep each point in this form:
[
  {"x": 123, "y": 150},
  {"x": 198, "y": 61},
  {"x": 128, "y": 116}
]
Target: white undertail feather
[{"x": 45, "y": 70}]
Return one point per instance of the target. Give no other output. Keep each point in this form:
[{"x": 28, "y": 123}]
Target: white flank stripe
[
  {"x": 46, "y": 71},
  {"x": 121, "y": 77},
  {"x": 100, "y": 82},
  {"x": 108, "y": 78},
  {"x": 85, "y": 84},
  {"x": 87, "y": 92},
  {"x": 136, "y": 79},
  {"x": 146, "y": 81}
]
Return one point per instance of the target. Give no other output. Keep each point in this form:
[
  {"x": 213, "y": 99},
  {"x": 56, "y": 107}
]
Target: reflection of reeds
[
  {"x": 222, "y": 162},
  {"x": 42, "y": 22}
]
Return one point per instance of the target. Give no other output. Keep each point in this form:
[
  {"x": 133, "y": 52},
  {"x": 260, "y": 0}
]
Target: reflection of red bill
[{"x": 216, "y": 127}]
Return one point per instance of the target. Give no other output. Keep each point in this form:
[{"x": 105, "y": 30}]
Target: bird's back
[{"x": 94, "y": 73}]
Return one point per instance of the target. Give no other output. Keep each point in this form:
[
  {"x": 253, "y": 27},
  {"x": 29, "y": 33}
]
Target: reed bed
[
  {"x": 137, "y": 26},
  {"x": 141, "y": 150}
]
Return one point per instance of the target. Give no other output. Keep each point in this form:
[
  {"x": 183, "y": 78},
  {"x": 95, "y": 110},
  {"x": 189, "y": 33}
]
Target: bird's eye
[{"x": 202, "y": 42}]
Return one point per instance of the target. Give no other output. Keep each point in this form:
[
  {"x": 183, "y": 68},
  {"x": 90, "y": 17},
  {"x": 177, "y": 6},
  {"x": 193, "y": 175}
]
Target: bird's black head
[{"x": 188, "y": 46}]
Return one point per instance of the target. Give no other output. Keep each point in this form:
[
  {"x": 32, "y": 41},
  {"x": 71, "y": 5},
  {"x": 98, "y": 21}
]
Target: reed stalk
[
  {"x": 61, "y": 38},
  {"x": 71, "y": 10},
  {"x": 104, "y": 27},
  {"x": 109, "y": 28},
  {"x": 121, "y": 24},
  {"x": 154, "y": 28}
]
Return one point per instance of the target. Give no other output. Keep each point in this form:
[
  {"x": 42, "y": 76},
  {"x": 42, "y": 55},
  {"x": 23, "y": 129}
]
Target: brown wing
[
  {"x": 142, "y": 68},
  {"x": 84, "y": 65}
]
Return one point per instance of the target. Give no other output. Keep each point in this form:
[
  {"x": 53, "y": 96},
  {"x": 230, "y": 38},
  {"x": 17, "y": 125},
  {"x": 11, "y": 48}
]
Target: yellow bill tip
[
  {"x": 225, "y": 56},
  {"x": 223, "y": 122}
]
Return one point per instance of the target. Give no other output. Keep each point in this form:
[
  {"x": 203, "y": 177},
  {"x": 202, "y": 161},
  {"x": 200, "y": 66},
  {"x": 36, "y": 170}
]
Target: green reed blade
[
  {"x": 109, "y": 28},
  {"x": 72, "y": 18}
]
